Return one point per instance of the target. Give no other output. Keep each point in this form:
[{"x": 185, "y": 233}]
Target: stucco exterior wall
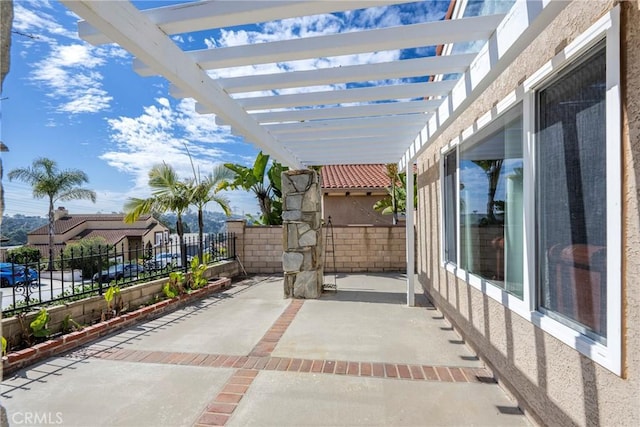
[
  {"x": 553, "y": 382},
  {"x": 353, "y": 209}
]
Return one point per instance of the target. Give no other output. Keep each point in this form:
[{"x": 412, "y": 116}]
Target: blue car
[{"x": 14, "y": 274}]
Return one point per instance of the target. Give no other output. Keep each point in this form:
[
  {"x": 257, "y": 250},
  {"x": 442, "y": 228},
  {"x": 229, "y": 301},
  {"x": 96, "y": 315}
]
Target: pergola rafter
[{"x": 378, "y": 97}]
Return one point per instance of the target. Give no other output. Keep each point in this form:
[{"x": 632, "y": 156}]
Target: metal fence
[{"x": 83, "y": 273}]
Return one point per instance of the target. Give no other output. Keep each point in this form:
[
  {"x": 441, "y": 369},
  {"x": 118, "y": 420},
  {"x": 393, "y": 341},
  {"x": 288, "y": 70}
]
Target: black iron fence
[{"x": 82, "y": 273}]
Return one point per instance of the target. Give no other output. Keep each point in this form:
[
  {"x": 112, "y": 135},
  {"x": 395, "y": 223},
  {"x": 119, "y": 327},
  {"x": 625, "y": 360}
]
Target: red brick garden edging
[{"x": 28, "y": 356}]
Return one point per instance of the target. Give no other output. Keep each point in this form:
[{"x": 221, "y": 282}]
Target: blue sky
[{"x": 84, "y": 107}]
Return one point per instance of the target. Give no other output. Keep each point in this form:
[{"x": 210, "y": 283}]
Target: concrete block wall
[
  {"x": 365, "y": 248},
  {"x": 263, "y": 250},
  {"x": 358, "y": 248}
]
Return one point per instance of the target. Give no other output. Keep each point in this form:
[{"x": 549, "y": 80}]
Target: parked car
[
  {"x": 117, "y": 272},
  {"x": 162, "y": 261},
  {"x": 14, "y": 274}
]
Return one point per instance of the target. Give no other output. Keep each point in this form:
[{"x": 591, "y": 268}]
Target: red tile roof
[{"x": 354, "y": 176}]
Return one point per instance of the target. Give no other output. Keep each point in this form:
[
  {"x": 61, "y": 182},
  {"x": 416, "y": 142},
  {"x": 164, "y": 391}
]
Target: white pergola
[{"x": 377, "y": 123}]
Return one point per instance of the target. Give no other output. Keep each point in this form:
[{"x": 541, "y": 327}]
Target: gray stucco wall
[{"x": 553, "y": 382}]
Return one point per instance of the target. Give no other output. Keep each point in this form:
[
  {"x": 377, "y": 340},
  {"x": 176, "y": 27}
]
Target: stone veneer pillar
[{"x": 302, "y": 234}]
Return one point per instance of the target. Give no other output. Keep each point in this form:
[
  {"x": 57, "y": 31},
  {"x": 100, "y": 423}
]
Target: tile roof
[
  {"x": 354, "y": 176},
  {"x": 66, "y": 223},
  {"x": 112, "y": 236}
]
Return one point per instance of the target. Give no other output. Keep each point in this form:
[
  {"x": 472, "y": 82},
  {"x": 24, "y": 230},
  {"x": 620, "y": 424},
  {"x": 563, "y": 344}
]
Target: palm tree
[
  {"x": 492, "y": 169},
  {"x": 56, "y": 185},
  {"x": 168, "y": 194},
  {"x": 205, "y": 191},
  {"x": 254, "y": 179},
  {"x": 396, "y": 201},
  {"x": 392, "y": 174}
]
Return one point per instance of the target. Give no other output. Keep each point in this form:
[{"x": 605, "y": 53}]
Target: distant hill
[
  {"x": 214, "y": 222},
  {"x": 16, "y": 227}
]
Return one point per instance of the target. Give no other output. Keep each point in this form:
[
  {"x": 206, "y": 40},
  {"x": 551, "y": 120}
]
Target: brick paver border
[
  {"x": 396, "y": 371},
  {"x": 221, "y": 408}
]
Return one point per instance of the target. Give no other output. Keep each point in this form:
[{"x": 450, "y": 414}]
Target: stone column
[{"x": 302, "y": 234}]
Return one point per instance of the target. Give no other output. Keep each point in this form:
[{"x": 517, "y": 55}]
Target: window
[
  {"x": 491, "y": 178},
  {"x": 531, "y": 210},
  {"x": 450, "y": 211},
  {"x": 571, "y": 195}
]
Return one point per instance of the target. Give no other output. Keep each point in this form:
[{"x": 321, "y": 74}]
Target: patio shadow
[{"x": 358, "y": 295}]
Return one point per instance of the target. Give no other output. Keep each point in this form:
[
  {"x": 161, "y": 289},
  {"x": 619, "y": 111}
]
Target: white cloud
[
  {"x": 67, "y": 69},
  {"x": 160, "y": 133},
  {"x": 92, "y": 101},
  {"x": 69, "y": 75},
  {"x": 35, "y": 21}
]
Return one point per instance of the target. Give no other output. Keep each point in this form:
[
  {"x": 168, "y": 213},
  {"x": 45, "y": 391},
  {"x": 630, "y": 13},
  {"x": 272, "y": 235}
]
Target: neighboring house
[
  {"x": 350, "y": 191},
  {"x": 527, "y": 221},
  {"x": 145, "y": 233}
]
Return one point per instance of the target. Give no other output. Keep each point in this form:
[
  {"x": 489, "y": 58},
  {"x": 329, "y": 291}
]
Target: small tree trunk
[
  {"x": 200, "y": 233},
  {"x": 265, "y": 207},
  {"x": 51, "y": 234},
  {"x": 183, "y": 249}
]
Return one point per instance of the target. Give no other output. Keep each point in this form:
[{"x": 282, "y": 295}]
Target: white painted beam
[
  {"x": 319, "y": 135},
  {"x": 386, "y": 109},
  {"x": 524, "y": 22},
  {"x": 410, "y": 238},
  {"x": 391, "y": 38},
  {"x": 399, "y": 121},
  {"x": 204, "y": 15},
  {"x": 127, "y": 26},
  {"x": 360, "y": 159},
  {"x": 368, "y": 156},
  {"x": 361, "y": 94},
  {"x": 347, "y": 142},
  {"x": 406, "y": 68}
]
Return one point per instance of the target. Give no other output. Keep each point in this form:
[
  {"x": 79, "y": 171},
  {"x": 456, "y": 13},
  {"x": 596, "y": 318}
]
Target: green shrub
[
  {"x": 40, "y": 323},
  {"x": 197, "y": 279},
  {"x": 23, "y": 255},
  {"x": 169, "y": 291},
  {"x": 89, "y": 255}
]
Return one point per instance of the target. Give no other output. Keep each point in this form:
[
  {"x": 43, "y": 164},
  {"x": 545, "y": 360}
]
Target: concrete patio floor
[{"x": 358, "y": 357}]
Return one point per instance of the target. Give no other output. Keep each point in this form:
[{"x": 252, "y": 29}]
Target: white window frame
[
  {"x": 519, "y": 306},
  {"x": 606, "y": 28},
  {"x": 445, "y": 151},
  {"x": 608, "y": 355}
]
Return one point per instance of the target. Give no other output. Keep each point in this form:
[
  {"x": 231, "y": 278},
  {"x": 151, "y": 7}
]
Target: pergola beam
[
  {"x": 206, "y": 15},
  {"x": 397, "y": 121},
  {"x": 362, "y": 94},
  {"x": 386, "y": 109},
  {"x": 406, "y": 68},
  {"x": 319, "y": 135},
  {"x": 523, "y": 23},
  {"x": 363, "y": 142},
  {"x": 391, "y": 38}
]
